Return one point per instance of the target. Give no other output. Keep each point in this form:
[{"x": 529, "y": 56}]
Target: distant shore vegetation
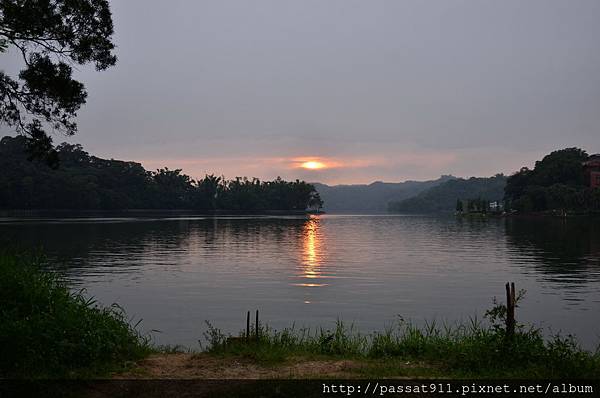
[
  {"x": 442, "y": 198},
  {"x": 562, "y": 182},
  {"x": 86, "y": 182}
]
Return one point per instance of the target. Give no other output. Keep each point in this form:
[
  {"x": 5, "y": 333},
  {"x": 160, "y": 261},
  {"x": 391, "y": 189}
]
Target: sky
[{"x": 379, "y": 90}]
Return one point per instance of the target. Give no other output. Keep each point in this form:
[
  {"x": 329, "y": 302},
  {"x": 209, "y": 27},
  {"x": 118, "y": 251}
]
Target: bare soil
[{"x": 205, "y": 366}]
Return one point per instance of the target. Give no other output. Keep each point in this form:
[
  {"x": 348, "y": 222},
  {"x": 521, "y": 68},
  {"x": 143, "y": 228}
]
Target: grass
[
  {"x": 47, "y": 331},
  {"x": 473, "y": 350}
]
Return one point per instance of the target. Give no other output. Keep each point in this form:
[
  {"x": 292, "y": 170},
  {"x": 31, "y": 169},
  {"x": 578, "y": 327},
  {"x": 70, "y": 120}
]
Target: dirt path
[{"x": 204, "y": 366}]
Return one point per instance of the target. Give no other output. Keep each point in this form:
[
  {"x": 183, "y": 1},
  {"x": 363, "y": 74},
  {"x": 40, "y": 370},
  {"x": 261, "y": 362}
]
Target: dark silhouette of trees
[
  {"x": 478, "y": 205},
  {"x": 517, "y": 183},
  {"x": 556, "y": 183},
  {"x": 315, "y": 202},
  {"x": 51, "y": 35},
  {"x": 207, "y": 192},
  {"x": 87, "y": 182},
  {"x": 171, "y": 189},
  {"x": 243, "y": 194}
]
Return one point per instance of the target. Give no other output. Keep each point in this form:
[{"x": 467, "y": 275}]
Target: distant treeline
[
  {"x": 83, "y": 181},
  {"x": 443, "y": 197},
  {"x": 558, "y": 182}
]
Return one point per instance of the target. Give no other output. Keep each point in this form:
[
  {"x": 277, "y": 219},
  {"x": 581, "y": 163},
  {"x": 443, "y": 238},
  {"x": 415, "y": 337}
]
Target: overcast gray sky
[{"x": 377, "y": 90}]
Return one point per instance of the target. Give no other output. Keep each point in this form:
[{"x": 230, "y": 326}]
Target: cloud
[{"x": 387, "y": 90}]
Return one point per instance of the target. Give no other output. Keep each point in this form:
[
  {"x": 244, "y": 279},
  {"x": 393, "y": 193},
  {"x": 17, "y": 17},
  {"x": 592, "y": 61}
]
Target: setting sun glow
[{"x": 312, "y": 165}]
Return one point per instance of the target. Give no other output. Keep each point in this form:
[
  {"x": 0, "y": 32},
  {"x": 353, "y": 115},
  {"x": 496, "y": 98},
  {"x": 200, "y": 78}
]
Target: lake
[{"x": 175, "y": 273}]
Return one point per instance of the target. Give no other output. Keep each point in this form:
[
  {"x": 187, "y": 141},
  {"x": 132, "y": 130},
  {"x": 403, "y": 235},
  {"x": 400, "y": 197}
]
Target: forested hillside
[
  {"x": 83, "y": 181},
  {"x": 372, "y": 197},
  {"x": 442, "y": 198},
  {"x": 558, "y": 182}
]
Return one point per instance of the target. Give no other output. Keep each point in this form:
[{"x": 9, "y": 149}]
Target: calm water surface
[{"x": 175, "y": 273}]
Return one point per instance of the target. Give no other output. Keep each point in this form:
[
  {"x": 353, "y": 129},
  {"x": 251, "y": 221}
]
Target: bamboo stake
[
  {"x": 510, "y": 310},
  {"x": 248, "y": 326},
  {"x": 256, "y": 325}
]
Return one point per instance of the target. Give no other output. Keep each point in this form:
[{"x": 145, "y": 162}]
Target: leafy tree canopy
[
  {"x": 557, "y": 182},
  {"x": 51, "y": 35},
  {"x": 87, "y": 182}
]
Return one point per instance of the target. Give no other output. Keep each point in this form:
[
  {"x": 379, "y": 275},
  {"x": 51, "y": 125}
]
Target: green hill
[
  {"x": 442, "y": 198},
  {"x": 371, "y": 198}
]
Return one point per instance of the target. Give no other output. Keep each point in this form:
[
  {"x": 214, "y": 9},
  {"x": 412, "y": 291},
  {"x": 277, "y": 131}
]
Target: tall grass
[
  {"x": 48, "y": 331},
  {"x": 474, "y": 349}
]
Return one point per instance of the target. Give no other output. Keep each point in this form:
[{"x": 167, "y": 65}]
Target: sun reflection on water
[{"x": 312, "y": 254}]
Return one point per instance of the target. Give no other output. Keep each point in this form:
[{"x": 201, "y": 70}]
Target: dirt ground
[{"x": 204, "y": 366}]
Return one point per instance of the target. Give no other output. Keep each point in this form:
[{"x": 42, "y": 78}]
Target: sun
[{"x": 312, "y": 165}]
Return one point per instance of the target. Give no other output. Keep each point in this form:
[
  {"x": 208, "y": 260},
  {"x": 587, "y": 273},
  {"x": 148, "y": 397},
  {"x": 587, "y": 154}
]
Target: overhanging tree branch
[{"x": 51, "y": 35}]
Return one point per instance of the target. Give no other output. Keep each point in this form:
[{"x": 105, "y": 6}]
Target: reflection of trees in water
[
  {"x": 569, "y": 247},
  {"x": 244, "y": 233},
  {"x": 70, "y": 245},
  {"x": 74, "y": 247}
]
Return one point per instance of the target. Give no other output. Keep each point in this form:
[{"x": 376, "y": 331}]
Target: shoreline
[{"x": 66, "y": 213}]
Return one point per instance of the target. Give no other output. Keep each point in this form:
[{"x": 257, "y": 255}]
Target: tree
[
  {"x": 207, "y": 192},
  {"x": 173, "y": 189},
  {"x": 561, "y": 167},
  {"x": 516, "y": 184},
  {"x": 556, "y": 183},
  {"x": 315, "y": 202},
  {"x": 51, "y": 35}
]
